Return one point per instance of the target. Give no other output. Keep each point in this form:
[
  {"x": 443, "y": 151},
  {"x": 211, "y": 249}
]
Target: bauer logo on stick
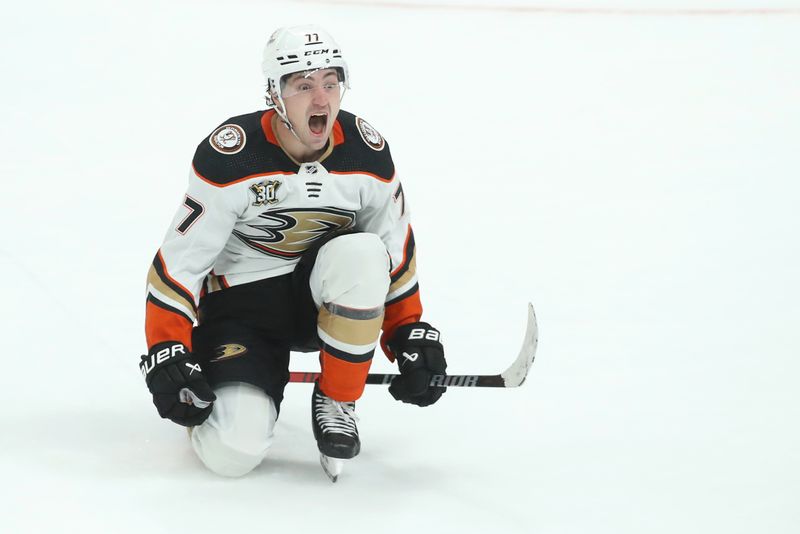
[
  {"x": 370, "y": 135},
  {"x": 228, "y": 139}
]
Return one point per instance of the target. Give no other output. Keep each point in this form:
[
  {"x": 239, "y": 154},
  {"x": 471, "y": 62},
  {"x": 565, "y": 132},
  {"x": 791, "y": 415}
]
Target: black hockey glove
[
  {"x": 180, "y": 391},
  {"x": 419, "y": 355}
]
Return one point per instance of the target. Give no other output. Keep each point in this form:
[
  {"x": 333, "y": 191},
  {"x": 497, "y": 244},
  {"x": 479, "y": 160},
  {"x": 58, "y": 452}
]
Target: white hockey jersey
[{"x": 250, "y": 212}]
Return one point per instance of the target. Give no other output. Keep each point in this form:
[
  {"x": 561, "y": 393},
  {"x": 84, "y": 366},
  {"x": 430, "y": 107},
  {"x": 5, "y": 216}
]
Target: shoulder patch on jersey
[
  {"x": 228, "y": 139},
  {"x": 370, "y": 135},
  {"x": 362, "y": 151},
  {"x": 238, "y": 149}
]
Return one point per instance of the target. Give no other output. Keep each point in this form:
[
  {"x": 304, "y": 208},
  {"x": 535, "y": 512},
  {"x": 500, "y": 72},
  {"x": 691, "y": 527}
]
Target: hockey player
[{"x": 294, "y": 234}]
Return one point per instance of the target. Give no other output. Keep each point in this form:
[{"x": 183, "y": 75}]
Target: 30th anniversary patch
[
  {"x": 228, "y": 139},
  {"x": 370, "y": 135}
]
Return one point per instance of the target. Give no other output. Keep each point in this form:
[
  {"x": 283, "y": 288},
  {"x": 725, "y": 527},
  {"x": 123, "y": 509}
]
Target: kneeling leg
[{"x": 236, "y": 436}]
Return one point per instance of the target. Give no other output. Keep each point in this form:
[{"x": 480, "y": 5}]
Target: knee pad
[
  {"x": 351, "y": 270},
  {"x": 236, "y": 436}
]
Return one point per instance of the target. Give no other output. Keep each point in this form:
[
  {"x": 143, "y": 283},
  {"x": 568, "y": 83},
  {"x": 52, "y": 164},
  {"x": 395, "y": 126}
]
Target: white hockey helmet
[{"x": 299, "y": 49}]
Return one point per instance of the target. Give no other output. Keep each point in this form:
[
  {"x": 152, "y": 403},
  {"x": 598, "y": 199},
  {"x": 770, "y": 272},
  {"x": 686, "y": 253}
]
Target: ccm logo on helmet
[{"x": 317, "y": 52}]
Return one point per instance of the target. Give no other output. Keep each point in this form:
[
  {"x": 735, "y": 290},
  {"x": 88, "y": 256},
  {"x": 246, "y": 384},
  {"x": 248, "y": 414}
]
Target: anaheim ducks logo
[
  {"x": 370, "y": 135},
  {"x": 231, "y": 350},
  {"x": 228, "y": 139},
  {"x": 288, "y": 233}
]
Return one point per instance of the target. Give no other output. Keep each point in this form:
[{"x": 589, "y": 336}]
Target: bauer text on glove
[{"x": 419, "y": 353}]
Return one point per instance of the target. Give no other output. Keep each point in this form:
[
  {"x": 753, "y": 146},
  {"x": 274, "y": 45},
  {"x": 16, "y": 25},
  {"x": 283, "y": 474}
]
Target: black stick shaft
[{"x": 384, "y": 379}]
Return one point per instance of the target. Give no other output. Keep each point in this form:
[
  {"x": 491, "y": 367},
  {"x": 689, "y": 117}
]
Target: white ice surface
[{"x": 636, "y": 177}]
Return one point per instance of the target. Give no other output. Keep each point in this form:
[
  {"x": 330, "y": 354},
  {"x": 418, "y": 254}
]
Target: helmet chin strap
[
  {"x": 276, "y": 103},
  {"x": 285, "y": 119}
]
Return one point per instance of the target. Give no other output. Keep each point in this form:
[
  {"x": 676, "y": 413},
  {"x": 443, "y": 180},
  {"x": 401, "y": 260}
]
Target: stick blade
[{"x": 515, "y": 375}]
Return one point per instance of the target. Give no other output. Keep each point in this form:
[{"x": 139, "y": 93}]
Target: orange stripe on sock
[{"x": 340, "y": 380}]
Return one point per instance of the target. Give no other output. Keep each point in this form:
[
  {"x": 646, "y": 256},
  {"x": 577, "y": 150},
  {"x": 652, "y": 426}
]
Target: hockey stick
[{"x": 512, "y": 377}]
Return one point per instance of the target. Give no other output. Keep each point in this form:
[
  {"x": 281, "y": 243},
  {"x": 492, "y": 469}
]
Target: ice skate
[
  {"x": 335, "y": 430},
  {"x": 331, "y": 466}
]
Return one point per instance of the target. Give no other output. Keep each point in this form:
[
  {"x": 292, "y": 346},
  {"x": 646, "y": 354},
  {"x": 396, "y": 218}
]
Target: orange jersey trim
[
  {"x": 164, "y": 325},
  {"x": 338, "y": 133},
  {"x": 249, "y": 177},
  {"x": 406, "y": 311},
  {"x": 266, "y": 126}
]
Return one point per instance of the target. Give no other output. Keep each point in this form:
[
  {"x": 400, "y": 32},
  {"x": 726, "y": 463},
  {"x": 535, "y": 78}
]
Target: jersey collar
[{"x": 337, "y": 135}]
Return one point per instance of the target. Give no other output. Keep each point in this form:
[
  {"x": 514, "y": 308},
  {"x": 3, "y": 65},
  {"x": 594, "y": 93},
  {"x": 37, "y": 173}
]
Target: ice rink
[{"x": 630, "y": 167}]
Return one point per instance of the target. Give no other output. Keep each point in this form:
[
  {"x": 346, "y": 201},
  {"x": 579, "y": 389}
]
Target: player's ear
[{"x": 271, "y": 97}]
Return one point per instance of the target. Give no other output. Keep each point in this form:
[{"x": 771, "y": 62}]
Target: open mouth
[{"x": 317, "y": 123}]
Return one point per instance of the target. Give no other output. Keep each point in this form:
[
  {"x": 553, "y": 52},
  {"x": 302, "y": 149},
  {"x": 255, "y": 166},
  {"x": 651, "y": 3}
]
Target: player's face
[{"x": 312, "y": 104}]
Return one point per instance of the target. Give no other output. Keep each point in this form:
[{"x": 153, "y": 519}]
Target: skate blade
[{"x": 331, "y": 466}]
